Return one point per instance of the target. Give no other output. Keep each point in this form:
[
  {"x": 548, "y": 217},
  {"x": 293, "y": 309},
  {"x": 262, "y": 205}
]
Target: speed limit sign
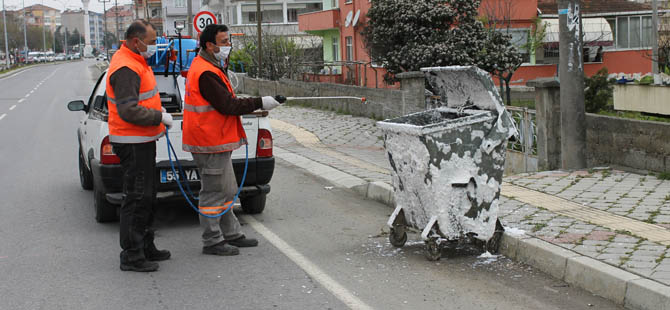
[{"x": 203, "y": 19}]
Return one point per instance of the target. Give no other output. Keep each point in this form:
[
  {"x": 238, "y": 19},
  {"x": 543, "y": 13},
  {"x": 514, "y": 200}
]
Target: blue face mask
[{"x": 151, "y": 50}]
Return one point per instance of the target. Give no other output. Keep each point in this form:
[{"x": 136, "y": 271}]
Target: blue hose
[{"x": 171, "y": 151}]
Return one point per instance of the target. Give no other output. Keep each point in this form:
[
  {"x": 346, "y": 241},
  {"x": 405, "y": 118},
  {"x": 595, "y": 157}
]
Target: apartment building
[{"x": 74, "y": 19}]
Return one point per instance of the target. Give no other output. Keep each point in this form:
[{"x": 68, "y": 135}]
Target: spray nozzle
[{"x": 280, "y": 98}]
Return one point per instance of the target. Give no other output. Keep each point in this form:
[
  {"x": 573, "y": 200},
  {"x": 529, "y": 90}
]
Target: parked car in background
[{"x": 60, "y": 57}]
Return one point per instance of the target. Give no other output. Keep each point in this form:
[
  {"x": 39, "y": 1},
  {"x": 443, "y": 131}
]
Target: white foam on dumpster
[{"x": 440, "y": 163}]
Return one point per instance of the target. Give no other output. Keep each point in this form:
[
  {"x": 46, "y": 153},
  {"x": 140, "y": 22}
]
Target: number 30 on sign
[{"x": 203, "y": 19}]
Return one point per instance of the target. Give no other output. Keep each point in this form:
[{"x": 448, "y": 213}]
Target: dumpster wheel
[
  {"x": 432, "y": 249},
  {"x": 493, "y": 245},
  {"x": 398, "y": 237}
]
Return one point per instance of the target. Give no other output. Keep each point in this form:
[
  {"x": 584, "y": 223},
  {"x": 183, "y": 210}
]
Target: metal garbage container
[{"x": 448, "y": 162}]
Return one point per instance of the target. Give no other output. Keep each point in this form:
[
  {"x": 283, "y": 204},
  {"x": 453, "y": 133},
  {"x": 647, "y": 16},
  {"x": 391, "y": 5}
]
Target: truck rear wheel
[{"x": 254, "y": 204}]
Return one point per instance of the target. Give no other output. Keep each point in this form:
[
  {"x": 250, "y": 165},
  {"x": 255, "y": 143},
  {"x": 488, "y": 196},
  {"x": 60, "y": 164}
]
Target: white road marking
[
  {"x": 3, "y": 116},
  {"x": 310, "y": 268},
  {"x": 22, "y": 100},
  {"x": 27, "y": 95},
  {"x": 12, "y": 107},
  {"x": 32, "y": 91},
  {"x": 17, "y": 73}
]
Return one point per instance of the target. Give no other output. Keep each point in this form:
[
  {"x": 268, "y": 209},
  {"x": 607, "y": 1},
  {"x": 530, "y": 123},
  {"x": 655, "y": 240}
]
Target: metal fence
[{"x": 526, "y": 141}]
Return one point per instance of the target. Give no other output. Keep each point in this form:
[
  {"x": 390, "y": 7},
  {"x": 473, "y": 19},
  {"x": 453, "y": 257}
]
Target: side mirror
[{"x": 77, "y": 105}]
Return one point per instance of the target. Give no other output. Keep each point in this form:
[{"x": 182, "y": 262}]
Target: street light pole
[
  {"x": 260, "y": 44},
  {"x": 44, "y": 35},
  {"x": 4, "y": 20},
  {"x": 25, "y": 36}
]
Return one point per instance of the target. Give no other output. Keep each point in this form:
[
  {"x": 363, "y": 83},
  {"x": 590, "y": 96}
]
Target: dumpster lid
[
  {"x": 462, "y": 87},
  {"x": 459, "y": 86}
]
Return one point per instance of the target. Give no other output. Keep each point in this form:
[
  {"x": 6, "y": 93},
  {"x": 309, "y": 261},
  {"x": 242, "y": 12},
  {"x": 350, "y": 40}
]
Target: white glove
[
  {"x": 167, "y": 120},
  {"x": 163, "y": 110},
  {"x": 269, "y": 103}
]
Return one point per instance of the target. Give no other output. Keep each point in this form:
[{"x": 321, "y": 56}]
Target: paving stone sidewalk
[{"x": 638, "y": 198}]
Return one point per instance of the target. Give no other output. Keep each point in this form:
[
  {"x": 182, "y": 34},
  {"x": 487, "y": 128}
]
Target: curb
[
  {"x": 9, "y": 74},
  {"x": 617, "y": 285}
]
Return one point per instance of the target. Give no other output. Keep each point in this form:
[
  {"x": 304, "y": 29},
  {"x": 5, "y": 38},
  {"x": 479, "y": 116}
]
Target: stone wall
[
  {"x": 379, "y": 104},
  {"x": 643, "y": 145}
]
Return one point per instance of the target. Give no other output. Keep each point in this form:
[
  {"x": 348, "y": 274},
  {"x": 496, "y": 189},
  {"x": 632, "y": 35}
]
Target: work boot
[
  {"x": 243, "y": 242},
  {"x": 151, "y": 252},
  {"x": 221, "y": 249},
  {"x": 140, "y": 266}
]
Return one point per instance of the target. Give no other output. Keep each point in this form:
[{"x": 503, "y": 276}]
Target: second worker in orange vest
[{"x": 212, "y": 130}]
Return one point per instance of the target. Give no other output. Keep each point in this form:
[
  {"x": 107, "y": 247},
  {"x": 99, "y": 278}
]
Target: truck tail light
[
  {"x": 264, "y": 145},
  {"x": 107, "y": 156}
]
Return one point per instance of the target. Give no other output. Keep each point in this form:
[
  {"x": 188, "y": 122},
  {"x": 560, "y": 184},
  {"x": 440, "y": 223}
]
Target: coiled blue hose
[{"x": 171, "y": 152}]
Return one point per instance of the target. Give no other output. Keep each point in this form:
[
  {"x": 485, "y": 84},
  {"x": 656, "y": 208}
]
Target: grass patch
[
  {"x": 539, "y": 226},
  {"x": 623, "y": 260},
  {"x": 635, "y": 115},
  {"x": 623, "y": 232},
  {"x": 667, "y": 198},
  {"x": 664, "y": 176},
  {"x": 523, "y": 104}
]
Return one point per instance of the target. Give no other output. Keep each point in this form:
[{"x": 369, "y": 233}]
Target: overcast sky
[{"x": 94, "y": 5}]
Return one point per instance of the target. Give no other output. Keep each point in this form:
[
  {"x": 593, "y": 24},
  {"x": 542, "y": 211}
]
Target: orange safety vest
[
  {"x": 205, "y": 129},
  {"x": 121, "y": 131}
]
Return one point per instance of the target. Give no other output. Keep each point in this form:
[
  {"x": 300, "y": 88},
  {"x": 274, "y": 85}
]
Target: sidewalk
[{"x": 604, "y": 230}]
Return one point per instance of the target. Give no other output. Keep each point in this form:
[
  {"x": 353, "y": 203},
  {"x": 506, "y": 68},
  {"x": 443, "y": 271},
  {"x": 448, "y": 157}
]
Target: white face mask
[
  {"x": 223, "y": 53},
  {"x": 151, "y": 50}
]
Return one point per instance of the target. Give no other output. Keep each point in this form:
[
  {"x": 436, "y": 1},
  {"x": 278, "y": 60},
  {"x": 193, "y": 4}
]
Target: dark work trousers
[{"x": 138, "y": 162}]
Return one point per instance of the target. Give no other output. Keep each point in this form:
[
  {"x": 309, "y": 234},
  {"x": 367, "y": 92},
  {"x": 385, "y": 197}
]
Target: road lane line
[
  {"x": 12, "y": 107},
  {"x": 310, "y": 268},
  {"x": 27, "y": 95},
  {"x": 22, "y": 100},
  {"x": 3, "y": 116},
  {"x": 32, "y": 91}
]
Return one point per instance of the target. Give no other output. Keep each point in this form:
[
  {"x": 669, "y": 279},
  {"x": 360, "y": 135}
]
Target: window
[
  {"x": 295, "y": 9},
  {"x": 233, "y": 14},
  {"x": 632, "y": 31},
  {"x": 180, "y": 3},
  {"x": 336, "y": 48},
  {"x": 334, "y": 3},
  {"x": 270, "y": 13},
  {"x": 350, "y": 48}
]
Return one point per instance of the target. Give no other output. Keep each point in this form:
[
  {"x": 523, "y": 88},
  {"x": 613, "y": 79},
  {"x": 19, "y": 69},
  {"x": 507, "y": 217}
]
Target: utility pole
[
  {"x": 65, "y": 44},
  {"x": 116, "y": 16},
  {"x": 189, "y": 18},
  {"x": 260, "y": 37},
  {"x": 4, "y": 21},
  {"x": 654, "y": 38},
  {"x": 571, "y": 76},
  {"x": 104, "y": 35},
  {"x": 25, "y": 36}
]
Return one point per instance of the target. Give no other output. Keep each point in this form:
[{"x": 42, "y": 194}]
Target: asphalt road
[{"x": 320, "y": 247}]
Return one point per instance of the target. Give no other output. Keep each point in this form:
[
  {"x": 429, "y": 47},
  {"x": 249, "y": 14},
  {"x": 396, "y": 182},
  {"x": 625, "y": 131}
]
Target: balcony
[{"x": 318, "y": 21}]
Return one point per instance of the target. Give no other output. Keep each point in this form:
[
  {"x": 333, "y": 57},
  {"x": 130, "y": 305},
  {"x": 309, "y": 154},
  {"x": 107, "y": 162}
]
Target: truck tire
[
  {"x": 104, "y": 211},
  {"x": 85, "y": 175},
  {"x": 254, "y": 204}
]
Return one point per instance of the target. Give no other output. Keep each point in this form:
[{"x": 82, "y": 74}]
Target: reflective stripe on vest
[
  {"x": 121, "y": 131},
  {"x": 205, "y": 130},
  {"x": 134, "y": 139},
  {"x": 143, "y": 96},
  {"x": 198, "y": 108}
]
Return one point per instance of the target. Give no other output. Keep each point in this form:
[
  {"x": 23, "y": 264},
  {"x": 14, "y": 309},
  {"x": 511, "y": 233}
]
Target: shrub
[{"x": 598, "y": 91}]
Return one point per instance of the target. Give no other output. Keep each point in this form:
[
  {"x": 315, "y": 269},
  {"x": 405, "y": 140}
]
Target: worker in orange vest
[
  {"x": 212, "y": 130},
  {"x": 136, "y": 121}
]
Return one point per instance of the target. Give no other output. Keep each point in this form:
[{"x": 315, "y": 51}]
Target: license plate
[{"x": 167, "y": 176}]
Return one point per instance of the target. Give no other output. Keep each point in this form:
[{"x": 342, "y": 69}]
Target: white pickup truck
[{"x": 99, "y": 167}]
